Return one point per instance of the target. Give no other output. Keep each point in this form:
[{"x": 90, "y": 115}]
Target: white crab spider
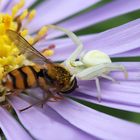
[
  {"x": 94, "y": 64},
  {"x": 91, "y": 65}
]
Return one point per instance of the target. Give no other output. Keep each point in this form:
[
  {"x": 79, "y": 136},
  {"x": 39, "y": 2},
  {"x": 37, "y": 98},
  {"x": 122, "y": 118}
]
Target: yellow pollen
[
  {"x": 31, "y": 40},
  {"x": 10, "y": 57},
  {"x": 48, "y": 52},
  {"x": 1, "y": 72},
  {"x": 7, "y": 19},
  {"x": 21, "y": 4},
  {"x": 32, "y": 14},
  {"x": 24, "y": 14},
  {"x": 40, "y": 34},
  {"x": 24, "y": 32},
  {"x": 42, "y": 31},
  {"x": 15, "y": 9},
  {"x": 2, "y": 29}
]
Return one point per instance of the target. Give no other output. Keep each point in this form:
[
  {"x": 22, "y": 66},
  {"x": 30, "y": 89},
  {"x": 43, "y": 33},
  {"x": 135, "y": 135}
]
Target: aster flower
[{"x": 68, "y": 119}]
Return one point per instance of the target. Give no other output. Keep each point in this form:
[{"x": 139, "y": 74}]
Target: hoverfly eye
[{"x": 72, "y": 86}]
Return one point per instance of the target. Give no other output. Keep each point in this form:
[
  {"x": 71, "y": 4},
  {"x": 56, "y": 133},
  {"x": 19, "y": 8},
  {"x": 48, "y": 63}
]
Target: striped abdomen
[{"x": 24, "y": 78}]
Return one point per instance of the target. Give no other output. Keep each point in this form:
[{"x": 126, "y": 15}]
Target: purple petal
[
  {"x": 96, "y": 123},
  {"x": 100, "y": 14},
  {"x": 131, "y": 66},
  {"x": 63, "y": 41},
  {"x": 64, "y": 46},
  {"x": 54, "y": 11},
  {"x": 117, "y": 40},
  {"x": 107, "y": 103},
  {"x": 112, "y": 97},
  {"x": 114, "y": 41},
  {"x": 3, "y": 3},
  {"x": 134, "y": 52},
  {"x": 11, "y": 128},
  {"x": 47, "y": 125}
]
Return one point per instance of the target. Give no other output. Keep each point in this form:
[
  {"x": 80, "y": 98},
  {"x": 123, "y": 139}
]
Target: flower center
[{"x": 10, "y": 57}]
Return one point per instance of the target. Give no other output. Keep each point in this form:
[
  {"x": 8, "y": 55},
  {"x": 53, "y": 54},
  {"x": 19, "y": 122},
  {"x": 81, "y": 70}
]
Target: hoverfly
[{"x": 49, "y": 76}]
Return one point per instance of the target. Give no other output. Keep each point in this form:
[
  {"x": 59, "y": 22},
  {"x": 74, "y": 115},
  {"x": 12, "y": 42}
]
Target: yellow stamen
[
  {"x": 24, "y": 14},
  {"x": 31, "y": 40},
  {"x": 2, "y": 29},
  {"x": 21, "y": 4},
  {"x": 10, "y": 57},
  {"x": 42, "y": 31},
  {"x": 24, "y": 32},
  {"x": 48, "y": 52},
  {"x": 15, "y": 9},
  {"x": 1, "y": 18},
  {"x": 40, "y": 34},
  {"x": 1, "y": 71},
  {"x": 32, "y": 14},
  {"x": 7, "y": 19}
]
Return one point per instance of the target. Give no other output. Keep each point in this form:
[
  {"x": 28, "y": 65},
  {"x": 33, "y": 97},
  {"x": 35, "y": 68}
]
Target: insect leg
[
  {"x": 55, "y": 98},
  {"x": 2, "y": 98},
  {"x": 2, "y": 94},
  {"x": 38, "y": 103}
]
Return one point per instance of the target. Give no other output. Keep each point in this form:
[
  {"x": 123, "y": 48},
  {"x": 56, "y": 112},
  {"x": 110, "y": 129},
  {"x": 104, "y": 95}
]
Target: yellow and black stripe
[
  {"x": 27, "y": 77},
  {"x": 20, "y": 78},
  {"x": 32, "y": 76}
]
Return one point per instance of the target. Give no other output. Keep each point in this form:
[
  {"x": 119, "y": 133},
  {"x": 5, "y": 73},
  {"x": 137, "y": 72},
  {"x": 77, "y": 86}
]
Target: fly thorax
[{"x": 60, "y": 76}]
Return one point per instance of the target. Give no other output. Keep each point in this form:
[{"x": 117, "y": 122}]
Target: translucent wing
[{"x": 25, "y": 48}]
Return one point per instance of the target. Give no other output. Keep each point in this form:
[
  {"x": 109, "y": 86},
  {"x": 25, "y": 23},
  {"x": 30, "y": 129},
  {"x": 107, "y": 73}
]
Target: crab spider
[{"x": 91, "y": 65}]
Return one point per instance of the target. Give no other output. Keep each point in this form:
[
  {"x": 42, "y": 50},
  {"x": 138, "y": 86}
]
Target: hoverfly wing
[{"x": 25, "y": 48}]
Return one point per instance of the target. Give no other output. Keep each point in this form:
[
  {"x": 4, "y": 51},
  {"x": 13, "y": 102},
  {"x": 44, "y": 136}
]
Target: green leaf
[
  {"x": 110, "y": 23},
  {"x": 126, "y": 115},
  {"x": 126, "y": 59},
  {"x": 37, "y": 2}
]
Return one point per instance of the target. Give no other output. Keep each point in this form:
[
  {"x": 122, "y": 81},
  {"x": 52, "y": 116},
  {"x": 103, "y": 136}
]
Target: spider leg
[
  {"x": 109, "y": 78},
  {"x": 55, "y": 98},
  {"x": 92, "y": 73},
  {"x": 100, "y": 70},
  {"x": 71, "y": 60},
  {"x": 97, "y": 82}
]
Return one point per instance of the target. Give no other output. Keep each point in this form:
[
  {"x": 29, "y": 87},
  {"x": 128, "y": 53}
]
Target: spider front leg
[
  {"x": 101, "y": 70},
  {"x": 71, "y": 60}
]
